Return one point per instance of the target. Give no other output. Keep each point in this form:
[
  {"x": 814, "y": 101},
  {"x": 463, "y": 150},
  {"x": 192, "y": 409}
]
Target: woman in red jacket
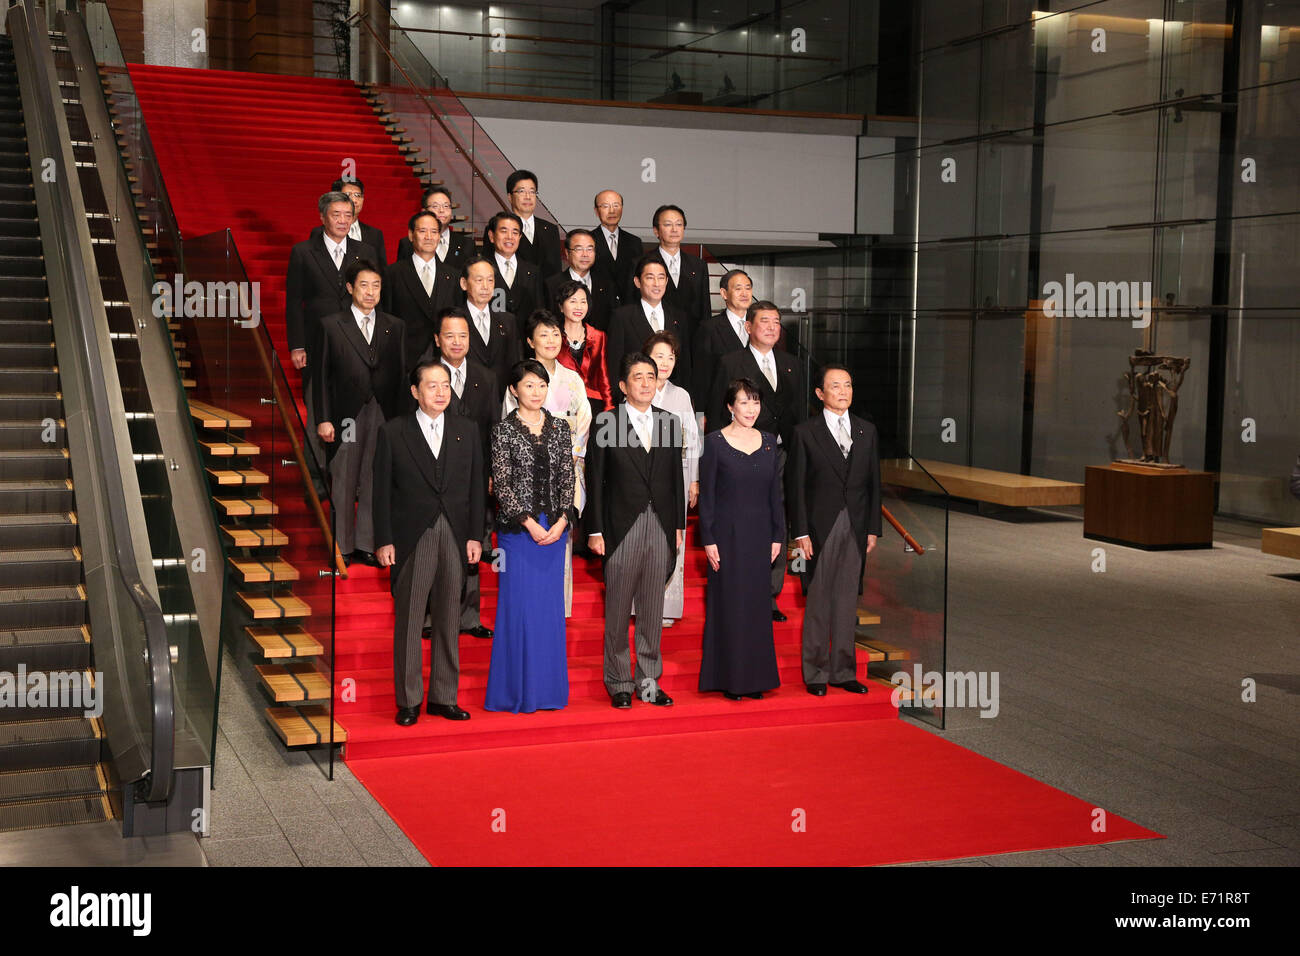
[{"x": 584, "y": 346}]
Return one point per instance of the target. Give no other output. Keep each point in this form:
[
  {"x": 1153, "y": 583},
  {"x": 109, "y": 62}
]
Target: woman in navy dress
[
  {"x": 533, "y": 479},
  {"x": 741, "y": 527}
]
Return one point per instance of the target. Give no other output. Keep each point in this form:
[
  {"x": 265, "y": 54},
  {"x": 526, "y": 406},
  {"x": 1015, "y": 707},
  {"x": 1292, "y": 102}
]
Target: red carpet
[
  {"x": 871, "y": 792},
  {"x": 715, "y": 781}
]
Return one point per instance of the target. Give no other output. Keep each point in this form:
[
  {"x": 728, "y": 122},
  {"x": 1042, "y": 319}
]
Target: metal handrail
[{"x": 43, "y": 122}]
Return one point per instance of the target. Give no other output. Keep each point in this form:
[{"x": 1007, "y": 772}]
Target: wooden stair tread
[
  {"x": 304, "y": 726},
  {"x": 209, "y": 416},
  {"x": 867, "y": 618},
  {"x": 241, "y": 476},
  {"x": 981, "y": 484},
  {"x": 226, "y": 449},
  {"x": 255, "y": 537},
  {"x": 288, "y": 640},
  {"x": 265, "y": 607},
  {"x": 904, "y": 693},
  {"x": 294, "y": 682},
  {"x": 252, "y": 571},
  {"x": 242, "y": 507},
  {"x": 878, "y": 650}
]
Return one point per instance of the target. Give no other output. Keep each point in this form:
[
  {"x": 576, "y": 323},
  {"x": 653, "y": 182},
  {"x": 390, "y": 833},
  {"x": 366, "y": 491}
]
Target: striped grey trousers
[
  {"x": 636, "y": 571},
  {"x": 431, "y": 579}
]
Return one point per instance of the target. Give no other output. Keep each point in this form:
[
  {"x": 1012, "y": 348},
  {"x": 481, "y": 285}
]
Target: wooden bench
[
  {"x": 982, "y": 484},
  {"x": 1284, "y": 542}
]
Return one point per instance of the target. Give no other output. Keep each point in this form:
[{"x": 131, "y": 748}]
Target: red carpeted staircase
[{"x": 254, "y": 152}]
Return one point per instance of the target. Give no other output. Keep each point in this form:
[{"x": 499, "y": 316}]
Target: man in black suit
[
  {"x": 617, "y": 250},
  {"x": 518, "y": 281},
  {"x": 723, "y": 333},
  {"x": 835, "y": 514},
  {"x": 494, "y": 334},
  {"x": 688, "y": 275},
  {"x": 360, "y": 231},
  {"x": 454, "y": 248},
  {"x": 539, "y": 240},
  {"x": 780, "y": 388},
  {"x": 601, "y": 299},
  {"x": 418, "y": 287},
  {"x": 359, "y": 385},
  {"x": 313, "y": 289},
  {"x": 636, "y": 519},
  {"x": 474, "y": 396},
  {"x": 631, "y": 324},
  {"x": 429, "y": 508}
]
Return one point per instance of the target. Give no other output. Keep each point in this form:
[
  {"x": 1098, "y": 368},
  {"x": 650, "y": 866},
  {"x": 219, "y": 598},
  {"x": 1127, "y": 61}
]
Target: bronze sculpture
[{"x": 1153, "y": 383}]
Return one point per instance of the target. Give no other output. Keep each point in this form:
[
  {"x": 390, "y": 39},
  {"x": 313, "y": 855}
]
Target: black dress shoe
[
  {"x": 623, "y": 701},
  {"x": 730, "y": 696},
  {"x": 778, "y": 616},
  {"x": 661, "y": 699},
  {"x": 407, "y": 716},
  {"x": 852, "y": 686},
  {"x": 450, "y": 711},
  {"x": 755, "y": 696},
  {"x": 364, "y": 557},
  {"x": 426, "y": 633},
  {"x": 478, "y": 631},
  {"x": 817, "y": 690}
]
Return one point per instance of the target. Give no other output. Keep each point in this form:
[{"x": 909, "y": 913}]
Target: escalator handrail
[{"x": 159, "y": 784}]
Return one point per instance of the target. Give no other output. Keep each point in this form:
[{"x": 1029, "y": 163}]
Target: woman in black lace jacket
[{"x": 533, "y": 479}]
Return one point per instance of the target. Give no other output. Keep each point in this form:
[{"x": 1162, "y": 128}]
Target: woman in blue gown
[
  {"x": 742, "y": 528},
  {"x": 533, "y": 480}
]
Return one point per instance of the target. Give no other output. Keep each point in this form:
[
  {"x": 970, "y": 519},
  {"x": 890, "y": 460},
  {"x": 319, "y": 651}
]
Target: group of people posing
[{"x": 592, "y": 404}]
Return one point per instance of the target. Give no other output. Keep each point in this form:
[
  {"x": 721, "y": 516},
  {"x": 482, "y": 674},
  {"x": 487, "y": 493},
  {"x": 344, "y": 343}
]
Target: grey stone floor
[{"x": 1123, "y": 688}]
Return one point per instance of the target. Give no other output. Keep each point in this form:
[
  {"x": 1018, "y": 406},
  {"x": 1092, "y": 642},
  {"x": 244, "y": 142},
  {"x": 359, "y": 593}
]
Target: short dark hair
[
  {"x": 577, "y": 232},
  {"x": 654, "y": 220},
  {"x": 631, "y": 360},
  {"x": 417, "y": 373},
  {"x": 358, "y": 266},
  {"x": 567, "y": 291},
  {"x": 520, "y": 369},
  {"x": 475, "y": 260},
  {"x": 649, "y": 259},
  {"x": 410, "y": 223},
  {"x": 662, "y": 338},
  {"x": 497, "y": 219},
  {"x": 338, "y": 184},
  {"x": 831, "y": 367},
  {"x": 434, "y": 190},
  {"x": 517, "y": 176},
  {"x": 731, "y": 274},
  {"x": 741, "y": 386},
  {"x": 761, "y": 305},
  {"x": 451, "y": 312},
  {"x": 544, "y": 317}
]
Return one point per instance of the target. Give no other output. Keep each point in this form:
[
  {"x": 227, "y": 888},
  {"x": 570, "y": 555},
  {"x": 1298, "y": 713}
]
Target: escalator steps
[
  {"x": 53, "y": 813},
  {"x": 23, "y": 785}
]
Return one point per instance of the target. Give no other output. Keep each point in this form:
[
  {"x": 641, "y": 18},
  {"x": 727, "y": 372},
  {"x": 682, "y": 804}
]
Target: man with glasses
[
  {"x": 358, "y": 231},
  {"x": 601, "y": 297},
  {"x": 454, "y": 248},
  {"x": 617, "y": 250},
  {"x": 539, "y": 240}
]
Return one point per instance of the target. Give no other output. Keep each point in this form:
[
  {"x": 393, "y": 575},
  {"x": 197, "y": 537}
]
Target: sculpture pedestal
[{"x": 1150, "y": 508}]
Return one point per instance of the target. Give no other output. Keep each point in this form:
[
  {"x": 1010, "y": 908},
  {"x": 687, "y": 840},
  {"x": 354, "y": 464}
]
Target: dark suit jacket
[
  {"x": 547, "y": 253},
  {"x": 602, "y": 300},
  {"x": 412, "y": 489},
  {"x": 630, "y": 249},
  {"x": 351, "y": 371},
  {"x": 622, "y": 478},
  {"x": 501, "y": 351},
  {"x": 628, "y": 330},
  {"x": 370, "y": 235},
  {"x": 313, "y": 289},
  {"x": 479, "y": 401},
  {"x": 404, "y": 297},
  {"x": 782, "y": 410},
  {"x": 691, "y": 292},
  {"x": 823, "y": 482},
  {"x": 713, "y": 339},
  {"x": 526, "y": 295},
  {"x": 460, "y": 249}
]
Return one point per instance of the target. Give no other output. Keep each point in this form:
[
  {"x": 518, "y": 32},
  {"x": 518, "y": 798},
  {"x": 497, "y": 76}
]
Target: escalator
[{"x": 50, "y": 756}]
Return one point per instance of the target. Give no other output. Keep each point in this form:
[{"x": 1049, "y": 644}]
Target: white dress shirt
[
  {"x": 759, "y": 357},
  {"x": 363, "y": 319},
  {"x": 354, "y": 230},
  {"x": 431, "y": 428},
  {"x": 431, "y": 265},
  {"x": 334, "y": 249},
  {"x": 656, "y": 324},
  {"x": 673, "y": 263},
  {"x": 501, "y": 264},
  {"x": 455, "y": 372},
  {"x": 444, "y": 243},
  {"x": 738, "y": 326},
  {"x": 527, "y": 227},
  {"x": 643, "y": 422},
  {"x": 611, "y": 240},
  {"x": 843, "y": 439},
  {"x": 481, "y": 319},
  {"x": 585, "y": 280}
]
